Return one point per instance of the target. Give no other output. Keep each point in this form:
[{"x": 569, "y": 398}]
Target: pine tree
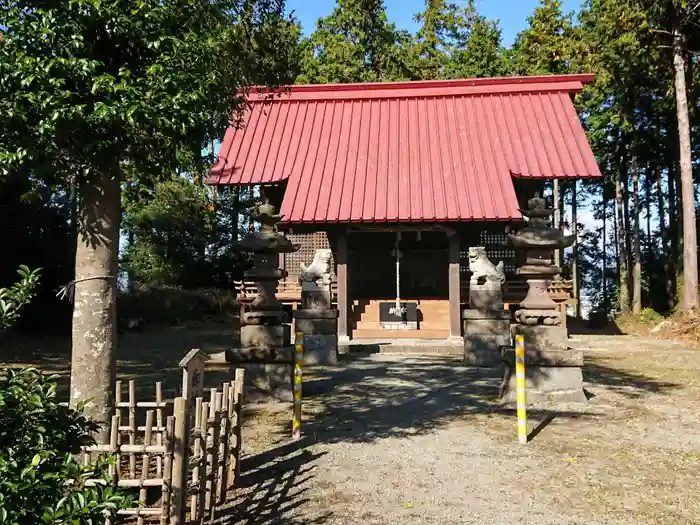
[
  {"x": 549, "y": 44},
  {"x": 356, "y": 43},
  {"x": 457, "y": 42}
]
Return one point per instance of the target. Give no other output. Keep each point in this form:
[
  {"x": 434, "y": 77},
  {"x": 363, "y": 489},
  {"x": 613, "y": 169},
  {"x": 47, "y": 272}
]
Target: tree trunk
[
  {"x": 94, "y": 311},
  {"x": 627, "y": 236},
  {"x": 668, "y": 279},
  {"x": 621, "y": 249},
  {"x": 574, "y": 269},
  {"x": 689, "y": 298},
  {"x": 73, "y": 203},
  {"x": 636, "y": 238},
  {"x": 673, "y": 253},
  {"x": 616, "y": 236},
  {"x": 651, "y": 245},
  {"x": 605, "y": 223}
]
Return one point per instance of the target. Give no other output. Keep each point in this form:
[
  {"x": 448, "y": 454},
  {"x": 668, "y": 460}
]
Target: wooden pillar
[
  {"x": 343, "y": 298},
  {"x": 453, "y": 278}
]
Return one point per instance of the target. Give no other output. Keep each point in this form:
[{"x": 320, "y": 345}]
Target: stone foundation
[
  {"x": 485, "y": 334},
  {"x": 273, "y": 375},
  {"x": 551, "y": 384},
  {"x": 553, "y": 371},
  {"x": 263, "y": 337},
  {"x": 320, "y": 349},
  {"x": 320, "y": 329}
]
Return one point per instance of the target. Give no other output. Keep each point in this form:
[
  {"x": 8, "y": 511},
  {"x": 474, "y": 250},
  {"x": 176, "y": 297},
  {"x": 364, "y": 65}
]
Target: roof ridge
[
  {"x": 584, "y": 78},
  {"x": 423, "y": 88}
]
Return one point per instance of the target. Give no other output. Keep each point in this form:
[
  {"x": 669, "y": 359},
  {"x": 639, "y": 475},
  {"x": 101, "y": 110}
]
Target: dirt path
[{"x": 418, "y": 441}]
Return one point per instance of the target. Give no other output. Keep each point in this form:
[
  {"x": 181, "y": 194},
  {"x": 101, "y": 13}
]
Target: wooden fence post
[
  {"x": 216, "y": 458},
  {"x": 180, "y": 462},
  {"x": 165, "y": 504},
  {"x": 237, "y": 401},
  {"x": 224, "y": 443},
  {"x": 202, "y": 488}
]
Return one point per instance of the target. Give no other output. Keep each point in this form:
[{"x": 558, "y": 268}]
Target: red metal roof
[{"x": 408, "y": 151}]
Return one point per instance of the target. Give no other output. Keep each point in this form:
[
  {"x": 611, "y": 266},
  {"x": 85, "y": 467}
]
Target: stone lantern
[
  {"x": 553, "y": 369},
  {"x": 265, "y": 338}
]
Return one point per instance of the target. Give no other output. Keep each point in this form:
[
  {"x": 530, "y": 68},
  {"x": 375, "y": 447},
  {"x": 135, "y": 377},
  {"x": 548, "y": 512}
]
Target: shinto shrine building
[{"x": 400, "y": 179}]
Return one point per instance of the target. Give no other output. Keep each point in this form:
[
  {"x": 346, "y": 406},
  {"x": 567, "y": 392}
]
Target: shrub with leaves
[
  {"x": 12, "y": 299},
  {"x": 42, "y": 480}
]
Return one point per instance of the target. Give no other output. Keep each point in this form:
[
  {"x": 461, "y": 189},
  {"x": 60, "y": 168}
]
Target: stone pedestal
[
  {"x": 260, "y": 341},
  {"x": 553, "y": 371},
  {"x": 487, "y": 296},
  {"x": 486, "y": 332},
  {"x": 272, "y": 374},
  {"x": 320, "y": 329}
]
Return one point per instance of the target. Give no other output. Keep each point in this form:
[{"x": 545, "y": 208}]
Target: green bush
[
  {"x": 171, "y": 305},
  {"x": 42, "y": 481},
  {"x": 13, "y": 299}
]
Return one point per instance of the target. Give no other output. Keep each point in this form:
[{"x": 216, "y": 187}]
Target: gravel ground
[{"x": 391, "y": 439}]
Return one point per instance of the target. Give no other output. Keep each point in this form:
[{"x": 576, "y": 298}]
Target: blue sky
[{"x": 512, "y": 14}]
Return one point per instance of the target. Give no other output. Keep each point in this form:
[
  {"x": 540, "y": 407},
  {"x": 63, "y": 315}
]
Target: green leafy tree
[
  {"x": 88, "y": 88},
  {"x": 183, "y": 236},
  {"x": 356, "y": 43},
  {"x": 42, "y": 480},
  {"x": 17, "y": 296}
]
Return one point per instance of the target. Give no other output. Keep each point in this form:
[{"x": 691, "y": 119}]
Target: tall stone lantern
[
  {"x": 265, "y": 339},
  {"x": 553, "y": 370}
]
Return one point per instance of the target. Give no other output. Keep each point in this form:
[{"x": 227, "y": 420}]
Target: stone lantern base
[
  {"x": 553, "y": 371},
  {"x": 486, "y": 333},
  {"x": 272, "y": 374}
]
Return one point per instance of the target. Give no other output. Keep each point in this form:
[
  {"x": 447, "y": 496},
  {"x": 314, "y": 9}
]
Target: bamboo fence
[{"x": 176, "y": 456}]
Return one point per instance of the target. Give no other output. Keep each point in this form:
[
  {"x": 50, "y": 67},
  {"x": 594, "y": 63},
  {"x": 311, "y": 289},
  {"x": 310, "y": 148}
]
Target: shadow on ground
[
  {"x": 273, "y": 485},
  {"x": 369, "y": 398}
]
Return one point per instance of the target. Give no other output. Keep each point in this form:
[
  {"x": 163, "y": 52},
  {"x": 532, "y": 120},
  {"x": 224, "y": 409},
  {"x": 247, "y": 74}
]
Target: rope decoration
[{"x": 68, "y": 291}]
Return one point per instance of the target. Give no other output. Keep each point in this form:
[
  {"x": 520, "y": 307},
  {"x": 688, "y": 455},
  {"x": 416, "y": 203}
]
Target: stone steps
[
  {"x": 439, "y": 348},
  {"x": 378, "y": 333}
]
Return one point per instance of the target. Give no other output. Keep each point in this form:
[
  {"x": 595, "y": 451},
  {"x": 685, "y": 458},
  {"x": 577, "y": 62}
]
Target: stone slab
[
  {"x": 561, "y": 358},
  {"x": 485, "y": 297},
  {"x": 470, "y": 313},
  {"x": 546, "y": 385},
  {"x": 264, "y": 337},
  {"x": 328, "y": 313},
  {"x": 316, "y": 299},
  {"x": 321, "y": 349},
  {"x": 487, "y": 327},
  {"x": 493, "y": 342},
  {"x": 487, "y": 357},
  {"x": 273, "y": 379},
  {"x": 317, "y": 326},
  {"x": 246, "y": 355},
  {"x": 542, "y": 338}
]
